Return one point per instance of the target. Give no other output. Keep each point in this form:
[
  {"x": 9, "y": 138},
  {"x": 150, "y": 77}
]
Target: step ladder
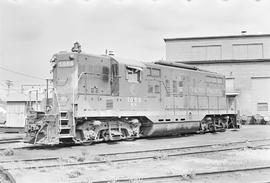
[{"x": 65, "y": 126}]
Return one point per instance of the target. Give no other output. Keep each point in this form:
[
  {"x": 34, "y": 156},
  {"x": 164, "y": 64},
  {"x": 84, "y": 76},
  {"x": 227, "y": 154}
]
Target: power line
[{"x": 23, "y": 74}]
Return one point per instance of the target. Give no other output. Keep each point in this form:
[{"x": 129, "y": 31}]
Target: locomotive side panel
[
  {"x": 188, "y": 97},
  {"x": 93, "y": 75}
]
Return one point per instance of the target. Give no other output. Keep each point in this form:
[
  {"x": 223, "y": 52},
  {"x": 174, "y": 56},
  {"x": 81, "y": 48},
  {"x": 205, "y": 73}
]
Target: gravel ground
[{"x": 188, "y": 165}]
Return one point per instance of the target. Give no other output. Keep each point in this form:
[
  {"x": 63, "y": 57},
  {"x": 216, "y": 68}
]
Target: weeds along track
[
  {"x": 185, "y": 177},
  {"x": 54, "y": 162}
]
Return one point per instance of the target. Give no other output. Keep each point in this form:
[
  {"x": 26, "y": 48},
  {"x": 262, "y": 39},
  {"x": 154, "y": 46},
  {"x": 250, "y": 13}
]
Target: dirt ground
[{"x": 186, "y": 165}]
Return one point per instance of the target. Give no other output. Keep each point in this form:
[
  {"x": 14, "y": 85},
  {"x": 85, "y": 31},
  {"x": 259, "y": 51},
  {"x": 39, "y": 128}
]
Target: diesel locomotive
[{"x": 105, "y": 98}]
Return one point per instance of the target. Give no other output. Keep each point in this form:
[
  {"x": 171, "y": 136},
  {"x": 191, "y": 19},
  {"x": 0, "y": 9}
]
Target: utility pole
[
  {"x": 37, "y": 100},
  {"x": 30, "y": 100},
  {"x": 9, "y": 83},
  {"x": 47, "y": 93}
]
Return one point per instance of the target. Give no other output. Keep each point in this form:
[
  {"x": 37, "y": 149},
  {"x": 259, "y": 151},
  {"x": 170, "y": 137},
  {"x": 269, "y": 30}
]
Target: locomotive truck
[{"x": 105, "y": 98}]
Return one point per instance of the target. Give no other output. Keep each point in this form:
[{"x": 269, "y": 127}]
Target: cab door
[
  {"x": 94, "y": 76},
  {"x": 114, "y": 79}
]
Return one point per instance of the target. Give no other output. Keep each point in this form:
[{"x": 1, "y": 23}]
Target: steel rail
[
  {"x": 7, "y": 175},
  {"x": 130, "y": 159},
  {"x": 181, "y": 148},
  {"x": 195, "y": 174},
  {"x": 40, "y": 146},
  {"x": 18, "y": 148},
  {"x": 5, "y": 139},
  {"x": 27, "y": 160},
  {"x": 10, "y": 141}
]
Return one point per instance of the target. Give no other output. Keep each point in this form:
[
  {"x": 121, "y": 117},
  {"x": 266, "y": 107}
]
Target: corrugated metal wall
[{"x": 16, "y": 113}]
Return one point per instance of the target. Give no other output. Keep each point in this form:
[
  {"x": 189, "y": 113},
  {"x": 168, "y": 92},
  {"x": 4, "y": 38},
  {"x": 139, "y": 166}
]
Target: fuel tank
[{"x": 170, "y": 128}]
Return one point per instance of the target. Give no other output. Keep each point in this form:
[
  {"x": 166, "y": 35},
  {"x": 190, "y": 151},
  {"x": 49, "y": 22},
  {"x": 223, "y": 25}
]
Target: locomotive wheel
[
  {"x": 125, "y": 135},
  {"x": 223, "y": 127},
  {"x": 212, "y": 129},
  {"x": 105, "y": 135}
]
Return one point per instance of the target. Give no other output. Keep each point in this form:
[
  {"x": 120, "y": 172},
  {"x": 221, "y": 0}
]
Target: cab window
[{"x": 133, "y": 74}]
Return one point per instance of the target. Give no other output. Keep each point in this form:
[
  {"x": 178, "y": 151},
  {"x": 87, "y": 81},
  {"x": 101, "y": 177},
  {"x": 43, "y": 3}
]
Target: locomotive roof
[
  {"x": 174, "y": 64},
  {"x": 124, "y": 61},
  {"x": 129, "y": 62},
  {"x": 135, "y": 63},
  {"x": 180, "y": 66}
]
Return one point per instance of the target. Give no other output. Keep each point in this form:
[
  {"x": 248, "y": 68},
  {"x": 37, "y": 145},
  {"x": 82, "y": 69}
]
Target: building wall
[
  {"x": 16, "y": 114},
  {"x": 260, "y": 95},
  {"x": 237, "y": 58},
  {"x": 218, "y": 49},
  {"x": 250, "y": 80}
]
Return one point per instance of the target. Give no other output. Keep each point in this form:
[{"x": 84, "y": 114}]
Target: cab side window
[{"x": 133, "y": 74}]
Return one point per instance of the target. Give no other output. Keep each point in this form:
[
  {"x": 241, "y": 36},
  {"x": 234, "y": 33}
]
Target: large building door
[{"x": 260, "y": 95}]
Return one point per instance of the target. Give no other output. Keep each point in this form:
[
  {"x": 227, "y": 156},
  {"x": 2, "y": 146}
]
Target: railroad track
[
  {"x": 111, "y": 157},
  {"x": 183, "y": 148},
  {"x": 178, "y": 177},
  {"x": 11, "y": 140},
  {"x": 36, "y": 147},
  {"x": 129, "y": 152}
]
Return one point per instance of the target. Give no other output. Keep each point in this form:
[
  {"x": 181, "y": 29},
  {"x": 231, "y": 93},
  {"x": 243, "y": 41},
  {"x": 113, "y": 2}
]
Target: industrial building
[
  {"x": 18, "y": 104},
  {"x": 243, "y": 59}
]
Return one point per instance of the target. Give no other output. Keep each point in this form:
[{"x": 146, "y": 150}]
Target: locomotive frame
[{"x": 101, "y": 98}]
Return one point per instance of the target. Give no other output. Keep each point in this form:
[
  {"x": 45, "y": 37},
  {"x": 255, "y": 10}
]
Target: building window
[
  {"x": 133, "y": 74},
  {"x": 262, "y": 106},
  {"x": 206, "y": 52},
  {"x": 248, "y": 51}
]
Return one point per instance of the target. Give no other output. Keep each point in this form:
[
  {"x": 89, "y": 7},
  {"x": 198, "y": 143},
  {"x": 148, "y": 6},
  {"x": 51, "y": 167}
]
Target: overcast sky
[{"x": 31, "y": 31}]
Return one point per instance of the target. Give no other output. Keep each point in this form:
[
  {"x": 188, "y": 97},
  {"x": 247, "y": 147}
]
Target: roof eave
[{"x": 217, "y": 37}]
